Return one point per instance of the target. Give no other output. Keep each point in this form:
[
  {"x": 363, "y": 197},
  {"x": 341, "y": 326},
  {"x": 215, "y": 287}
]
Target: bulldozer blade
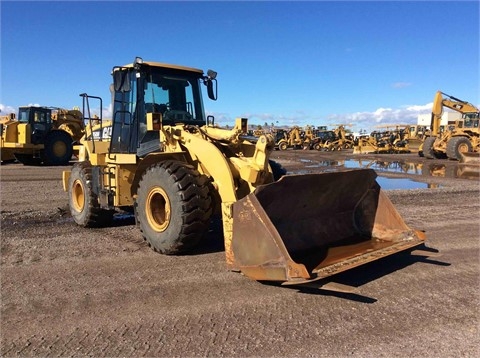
[{"x": 307, "y": 227}]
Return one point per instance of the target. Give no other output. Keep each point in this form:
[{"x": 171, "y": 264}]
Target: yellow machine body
[
  {"x": 459, "y": 137},
  {"x": 41, "y": 135},
  {"x": 291, "y": 228},
  {"x": 391, "y": 139}
]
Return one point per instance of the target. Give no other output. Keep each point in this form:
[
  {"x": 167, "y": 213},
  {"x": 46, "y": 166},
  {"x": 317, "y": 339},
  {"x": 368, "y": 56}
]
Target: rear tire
[
  {"x": 58, "y": 148},
  {"x": 283, "y": 146},
  {"x": 458, "y": 145},
  {"x": 83, "y": 202},
  {"x": 427, "y": 149},
  {"x": 173, "y": 207}
]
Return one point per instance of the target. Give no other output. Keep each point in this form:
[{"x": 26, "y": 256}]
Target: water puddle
[
  {"x": 450, "y": 170},
  {"x": 403, "y": 183},
  {"x": 425, "y": 170}
]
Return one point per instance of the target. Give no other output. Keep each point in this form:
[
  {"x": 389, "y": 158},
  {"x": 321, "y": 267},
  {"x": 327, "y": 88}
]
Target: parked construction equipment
[
  {"x": 291, "y": 139},
  {"x": 394, "y": 138},
  {"x": 461, "y": 137},
  {"x": 322, "y": 137},
  {"x": 41, "y": 135},
  {"x": 341, "y": 140},
  {"x": 175, "y": 169}
]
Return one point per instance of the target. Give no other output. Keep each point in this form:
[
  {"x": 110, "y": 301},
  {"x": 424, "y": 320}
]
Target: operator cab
[
  {"x": 40, "y": 120},
  {"x": 470, "y": 120},
  {"x": 164, "y": 94}
]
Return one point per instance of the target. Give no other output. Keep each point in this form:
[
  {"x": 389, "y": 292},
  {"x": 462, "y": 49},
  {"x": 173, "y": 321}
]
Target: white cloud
[
  {"x": 401, "y": 84},
  {"x": 420, "y": 108},
  {"x": 4, "y": 110},
  {"x": 383, "y": 116},
  {"x": 107, "y": 112},
  {"x": 359, "y": 120}
]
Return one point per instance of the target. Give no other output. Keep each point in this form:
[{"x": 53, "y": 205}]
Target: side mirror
[
  {"x": 211, "y": 90},
  {"x": 210, "y": 120},
  {"x": 208, "y": 81},
  {"x": 121, "y": 80}
]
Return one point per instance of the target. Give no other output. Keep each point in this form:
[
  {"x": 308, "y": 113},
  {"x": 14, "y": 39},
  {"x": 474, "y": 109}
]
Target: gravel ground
[{"x": 69, "y": 291}]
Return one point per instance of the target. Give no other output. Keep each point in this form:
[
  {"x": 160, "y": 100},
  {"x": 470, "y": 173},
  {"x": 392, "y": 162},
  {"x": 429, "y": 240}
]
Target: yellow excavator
[
  {"x": 175, "y": 168},
  {"x": 463, "y": 137}
]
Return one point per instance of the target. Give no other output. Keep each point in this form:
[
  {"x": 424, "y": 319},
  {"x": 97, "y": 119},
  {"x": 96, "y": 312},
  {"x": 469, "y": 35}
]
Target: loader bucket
[
  {"x": 308, "y": 227},
  {"x": 469, "y": 165},
  {"x": 470, "y": 158}
]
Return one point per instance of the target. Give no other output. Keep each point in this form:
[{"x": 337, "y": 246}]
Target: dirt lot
[{"x": 69, "y": 291}]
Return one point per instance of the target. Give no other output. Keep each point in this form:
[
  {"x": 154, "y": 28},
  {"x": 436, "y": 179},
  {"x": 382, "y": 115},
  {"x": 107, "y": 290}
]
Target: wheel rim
[
  {"x": 463, "y": 147},
  {"x": 59, "y": 149},
  {"x": 78, "y": 196},
  {"x": 158, "y": 209}
]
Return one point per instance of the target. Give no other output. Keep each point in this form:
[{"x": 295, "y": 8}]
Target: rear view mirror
[
  {"x": 208, "y": 81},
  {"x": 121, "y": 80},
  {"x": 211, "y": 91}
]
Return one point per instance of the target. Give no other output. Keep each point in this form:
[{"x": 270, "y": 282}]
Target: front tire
[
  {"x": 173, "y": 207},
  {"x": 83, "y": 202},
  {"x": 428, "y": 151}
]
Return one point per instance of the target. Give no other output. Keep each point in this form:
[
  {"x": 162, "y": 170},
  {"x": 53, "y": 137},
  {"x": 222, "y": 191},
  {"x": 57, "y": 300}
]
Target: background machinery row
[{"x": 47, "y": 135}]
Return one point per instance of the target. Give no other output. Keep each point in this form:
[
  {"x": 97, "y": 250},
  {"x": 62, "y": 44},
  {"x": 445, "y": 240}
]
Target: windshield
[
  {"x": 176, "y": 96},
  {"x": 36, "y": 114},
  {"x": 471, "y": 122},
  {"x": 23, "y": 114}
]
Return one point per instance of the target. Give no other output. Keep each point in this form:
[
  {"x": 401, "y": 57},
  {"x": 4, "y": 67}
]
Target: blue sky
[{"x": 288, "y": 63}]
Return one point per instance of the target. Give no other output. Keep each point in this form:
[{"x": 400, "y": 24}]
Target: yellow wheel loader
[
  {"x": 41, "y": 135},
  {"x": 175, "y": 168}
]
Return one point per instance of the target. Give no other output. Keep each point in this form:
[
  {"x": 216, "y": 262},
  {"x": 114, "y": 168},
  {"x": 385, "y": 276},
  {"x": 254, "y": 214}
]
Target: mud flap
[{"x": 308, "y": 227}]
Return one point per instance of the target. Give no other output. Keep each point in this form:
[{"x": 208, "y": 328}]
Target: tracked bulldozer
[
  {"x": 176, "y": 169},
  {"x": 387, "y": 141}
]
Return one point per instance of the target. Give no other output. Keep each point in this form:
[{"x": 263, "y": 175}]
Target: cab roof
[{"x": 167, "y": 65}]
